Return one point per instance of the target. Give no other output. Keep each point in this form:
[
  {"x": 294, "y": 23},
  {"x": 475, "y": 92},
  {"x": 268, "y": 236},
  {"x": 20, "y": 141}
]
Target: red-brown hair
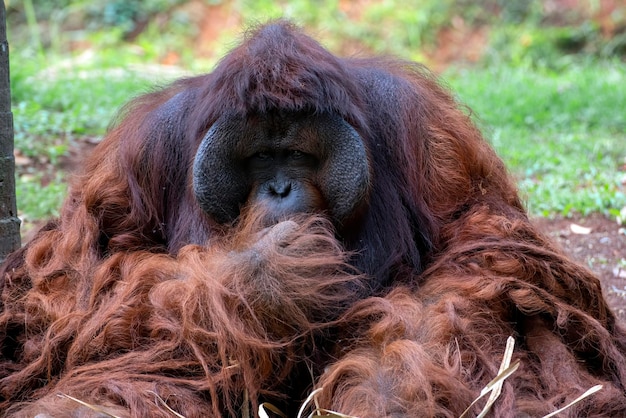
[{"x": 135, "y": 297}]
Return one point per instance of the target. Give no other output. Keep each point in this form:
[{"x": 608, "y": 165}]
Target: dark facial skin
[
  {"x": 282, "y": 182},
  {"x": 285, "y": 163}
]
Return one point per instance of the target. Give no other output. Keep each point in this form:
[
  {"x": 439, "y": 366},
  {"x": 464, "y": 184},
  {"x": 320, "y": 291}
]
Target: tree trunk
[{"x": 9, "y": 222}]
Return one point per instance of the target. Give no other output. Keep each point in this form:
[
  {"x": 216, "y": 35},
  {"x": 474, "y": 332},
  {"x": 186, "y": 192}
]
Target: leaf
[
  {"x": 496, "y": 384},
  {"x": 266, "y": 405},
  {"x": 497, "y": 389},
  {"x": 589, "y": 392},
  {"x": 579, "y": 229},
  {"x": 308, "y": 400}
]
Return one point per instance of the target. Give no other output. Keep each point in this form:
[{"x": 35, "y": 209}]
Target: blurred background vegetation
[{"x": 546, "y": 80}]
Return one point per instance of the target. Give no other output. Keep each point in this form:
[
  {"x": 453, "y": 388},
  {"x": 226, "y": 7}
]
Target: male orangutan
[{"x": 296, "y": 221}]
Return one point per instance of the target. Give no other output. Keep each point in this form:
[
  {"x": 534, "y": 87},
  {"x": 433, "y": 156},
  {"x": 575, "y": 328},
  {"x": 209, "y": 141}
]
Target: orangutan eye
[
  {"x": 262, "y": 156},
  {"x": 296, "y": 155}
]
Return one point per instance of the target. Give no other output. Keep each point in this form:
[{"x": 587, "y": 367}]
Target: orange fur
[{"x": 135, "y": 294}]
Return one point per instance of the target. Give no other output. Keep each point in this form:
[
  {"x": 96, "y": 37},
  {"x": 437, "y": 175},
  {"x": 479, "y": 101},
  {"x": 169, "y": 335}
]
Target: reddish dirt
[
  {"x": 603, "y": 250},
  {"x": 458, "y": 43}
]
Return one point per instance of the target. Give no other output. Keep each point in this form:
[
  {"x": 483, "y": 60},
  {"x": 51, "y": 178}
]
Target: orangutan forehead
[{"x": 280, "y": 129}]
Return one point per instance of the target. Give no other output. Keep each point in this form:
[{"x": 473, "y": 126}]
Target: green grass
[
  {"x": 563, "y": 135},
  {"x": 68, "y": 100},
  {"x": 54, "y": 106}
]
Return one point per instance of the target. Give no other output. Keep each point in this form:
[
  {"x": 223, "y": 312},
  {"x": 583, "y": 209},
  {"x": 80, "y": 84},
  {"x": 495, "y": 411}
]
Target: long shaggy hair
[
  {"x": 136, "y": 301},
  {"x": 237, "y": 316}
]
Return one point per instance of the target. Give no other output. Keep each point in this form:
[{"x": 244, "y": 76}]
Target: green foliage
[
  {"x": 58, "y": 104},
  {"x": 54, "y": 107},
  {"x": 562, "y": 134},
  {"x": 37, "y": 201},
  {"x": 95, "y": 15},
  {"x": 578, "y": 97},
  {"x": 400, "y": 28},
  {"x": 554, "y": 47}
]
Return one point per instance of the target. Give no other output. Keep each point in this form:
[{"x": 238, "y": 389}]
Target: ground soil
[{"x": 603, "y": 250}]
